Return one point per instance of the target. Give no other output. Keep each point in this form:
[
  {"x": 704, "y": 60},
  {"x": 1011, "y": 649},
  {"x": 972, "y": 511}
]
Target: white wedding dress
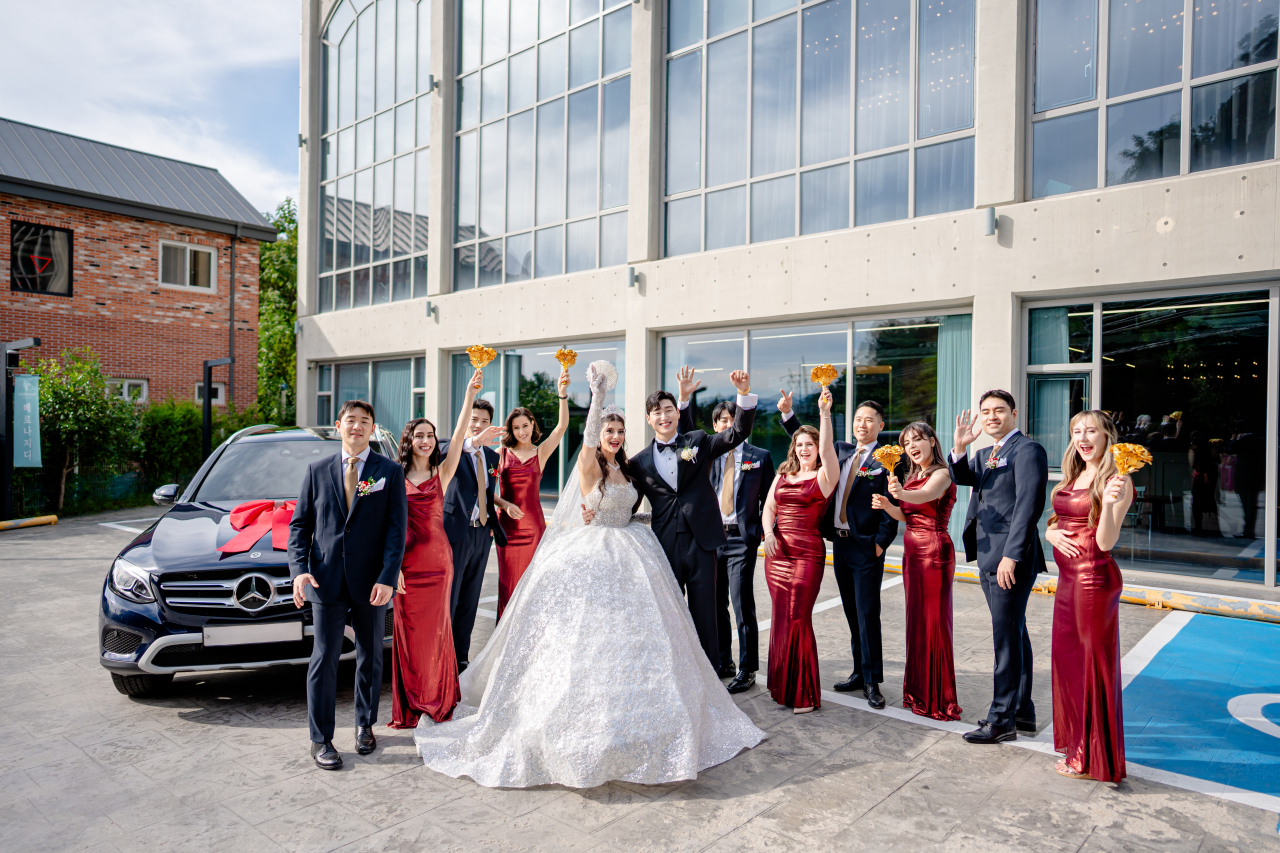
[{"x": 595, "y": 672}]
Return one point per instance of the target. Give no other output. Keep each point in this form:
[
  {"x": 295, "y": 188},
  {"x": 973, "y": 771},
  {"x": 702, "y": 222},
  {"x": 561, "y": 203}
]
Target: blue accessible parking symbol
[{"x": 1207, "y": 706}]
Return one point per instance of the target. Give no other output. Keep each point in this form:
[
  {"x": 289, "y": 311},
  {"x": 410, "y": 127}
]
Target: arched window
[{"x": 375, "y": 122}]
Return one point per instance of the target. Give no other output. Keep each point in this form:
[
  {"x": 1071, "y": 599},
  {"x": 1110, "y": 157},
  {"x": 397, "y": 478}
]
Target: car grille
[
  {"x": 213, "y": 593},
  {"x": 196, "y": 654},
  {"x": 119, "y": 642},
  {"x": 389, "y": 623}
]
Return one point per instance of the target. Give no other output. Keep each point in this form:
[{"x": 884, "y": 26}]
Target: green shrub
[{"x": 170, "y": 441}]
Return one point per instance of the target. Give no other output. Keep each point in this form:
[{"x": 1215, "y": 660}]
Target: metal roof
[{"x": 59, "y": 167}]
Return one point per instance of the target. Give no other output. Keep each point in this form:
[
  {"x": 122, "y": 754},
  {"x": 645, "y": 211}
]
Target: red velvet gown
[
  {"x": 424, "y": 668},
  {"x": 519, "y": 482},
  {"x": 794, "y": 576},
  {"x": 1088, "y": 720},
  {"x": 928, "y": 568}
]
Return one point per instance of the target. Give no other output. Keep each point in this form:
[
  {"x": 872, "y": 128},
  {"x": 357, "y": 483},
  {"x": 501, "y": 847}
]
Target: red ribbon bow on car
[{"x": 253, "y": 519}]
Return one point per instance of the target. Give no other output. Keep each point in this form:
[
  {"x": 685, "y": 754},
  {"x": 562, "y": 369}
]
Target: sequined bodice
[{"x": 613, "y": 505}]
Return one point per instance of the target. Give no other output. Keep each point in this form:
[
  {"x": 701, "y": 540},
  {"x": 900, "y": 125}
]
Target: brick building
[{"x": 130, "y": 254}]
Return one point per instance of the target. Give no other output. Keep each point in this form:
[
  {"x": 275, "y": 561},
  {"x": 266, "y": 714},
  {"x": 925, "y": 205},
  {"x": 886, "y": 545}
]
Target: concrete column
[
  {"x": 440, "y": 226},
  {"x": 996, "y": 351},
  {"x": 1000, "y": 103},
  {"x": 644, "y": 187}
]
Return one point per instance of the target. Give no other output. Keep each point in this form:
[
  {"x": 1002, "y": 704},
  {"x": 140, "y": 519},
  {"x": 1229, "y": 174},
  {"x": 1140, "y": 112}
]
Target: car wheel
[{"x": 141, "y": 685}]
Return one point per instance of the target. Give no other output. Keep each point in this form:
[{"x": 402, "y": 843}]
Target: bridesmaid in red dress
[
  {"x": 928, "y": 569},
  {"x": 795, "y": 558},
  {"x": 1089, "y": 506},
  {"x": 519, "y": 502},
  {"x": 424, "y": 668}
]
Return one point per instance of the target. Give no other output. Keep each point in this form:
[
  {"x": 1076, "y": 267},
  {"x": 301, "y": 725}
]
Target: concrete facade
[{"x": 1216, "y": 229}]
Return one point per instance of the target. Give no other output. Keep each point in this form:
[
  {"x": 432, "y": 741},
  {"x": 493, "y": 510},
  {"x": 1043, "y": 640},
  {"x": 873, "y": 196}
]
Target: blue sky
[{"x": 214, "y": 83}]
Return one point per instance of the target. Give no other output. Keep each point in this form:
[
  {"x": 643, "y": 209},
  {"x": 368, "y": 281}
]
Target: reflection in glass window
[
  {"x": 1187, "y": 377},
  {"x": 727, "y": 218},
  {"x": 613, "y": 239},
  {"x": 1144, "y": 139},
  {"x": 1053, "y": 400},
  {"x": 1066, "y": 52},
  {"x": 884, "y": 54},
  {"x": 773, "y": 209},
  {"x": 713, "y": 355},
  {"x": 1232, "y": 34},
  {"x": 1062, "y": 335},
  {"x": 1233, "y": 122},
  {"x": 773, "y": 97},
  {"x": 824, "y": 124},
  {"x": 945, "y": 67},
  {"x": 782, "y": 358},
  {"x": 824, "y": 199},
  {"x": 726, "y": 110},
  {"x": 881, "y": 189},
  {"x": 1145, "y": 45},
  {"x": 684, "y": 226},
  {"x": 944, "y": 177},
  {"x": 1064, "y": 154}
]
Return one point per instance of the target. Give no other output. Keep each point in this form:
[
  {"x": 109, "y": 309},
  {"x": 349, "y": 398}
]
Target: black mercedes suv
[{"x": 174, "y": 603}]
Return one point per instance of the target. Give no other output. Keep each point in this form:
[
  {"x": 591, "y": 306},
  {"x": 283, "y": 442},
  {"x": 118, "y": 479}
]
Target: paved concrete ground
[{"x": 222, "y": 763}]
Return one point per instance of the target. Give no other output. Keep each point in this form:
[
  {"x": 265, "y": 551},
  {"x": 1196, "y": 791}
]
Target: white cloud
[{"x": 213, "y": 83}]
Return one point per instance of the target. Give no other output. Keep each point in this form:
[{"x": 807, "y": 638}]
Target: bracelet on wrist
[{"x": 565, "y": 397}]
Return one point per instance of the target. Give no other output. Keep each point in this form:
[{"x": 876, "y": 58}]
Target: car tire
[{"x": 141, "y": 685}]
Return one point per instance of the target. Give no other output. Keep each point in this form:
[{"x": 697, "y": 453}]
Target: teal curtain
[
  {"x": 955, "y": 369},
  {"x": 462, "y": 371},
  {"x": 353, "y": 383},
  {"x": 511, "y": 386},
  {"x": 1050, "y": 336},
  {"x": 392, "y": 394}
]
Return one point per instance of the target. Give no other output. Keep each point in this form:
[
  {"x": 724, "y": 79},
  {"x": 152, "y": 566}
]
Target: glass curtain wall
[
  {"x": 542, "y": 138},
  {"x": 526, "y": 376},
  {"x": 788, "y": 118},
  {"x": 1186, "y": 377},
  {"x": 1113, "y": 79},
  {"x": 375, "y": 121}
]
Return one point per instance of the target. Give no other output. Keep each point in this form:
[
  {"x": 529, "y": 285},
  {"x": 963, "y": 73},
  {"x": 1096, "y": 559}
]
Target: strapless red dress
[
  {"x": 928, "y": 569},
  {"x": 794, "y": 576},
  {"x": 1088, "y": 719},
  {"x": 519, "y": 482},
  {"x": 424, "y": 668}
]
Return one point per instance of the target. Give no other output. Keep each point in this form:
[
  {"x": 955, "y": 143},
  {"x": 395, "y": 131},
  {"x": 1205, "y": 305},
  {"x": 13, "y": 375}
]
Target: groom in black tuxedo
[
  {"x": 1000, "y": 532},
  {"x": 674, "y": 473},
  {"x": 346, "y": 544}
]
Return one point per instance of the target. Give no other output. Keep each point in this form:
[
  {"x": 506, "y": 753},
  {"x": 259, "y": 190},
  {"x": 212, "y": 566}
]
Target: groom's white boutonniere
[{"x": 689, "y": 454}]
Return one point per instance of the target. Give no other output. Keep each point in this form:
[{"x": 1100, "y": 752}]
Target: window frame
[
  {"x": 1102, "y": 102},
  {"x": 912, "y": 145},
  {"x": 118, "y": 387},
  {"x": 71, "y": 256},
  {"x": 219, "y": 393},
  {"x": 187, "y": 249}
]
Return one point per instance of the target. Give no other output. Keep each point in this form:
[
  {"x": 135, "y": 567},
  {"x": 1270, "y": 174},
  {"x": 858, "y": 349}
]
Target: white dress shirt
[
  {"x": 736, "y": 458},
  {"x": 478, "y": 460},
  {"x": 995, "y": 451},
  {"x": 668, "y": 462},
  {"x": 361, "y": 458}
]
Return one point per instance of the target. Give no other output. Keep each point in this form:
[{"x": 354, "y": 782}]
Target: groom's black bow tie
[{"x": 667, "y": 448}]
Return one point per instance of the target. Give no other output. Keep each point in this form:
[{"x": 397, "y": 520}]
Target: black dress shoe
[
  {"x": 852, "y": 683},
  {"x": 727, "y": 671},
  {"x": 1025, "y": 725},
  {"x": 987, "y": 733},
  {"x": 872, "y": 691},
  {"x": 742, "y": 682},
  {"x": 365, "y": 741},
  {"x": 327, "y": 758}
]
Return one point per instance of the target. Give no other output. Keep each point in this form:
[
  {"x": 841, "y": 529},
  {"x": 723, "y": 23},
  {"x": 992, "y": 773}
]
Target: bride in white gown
[{"x": 595, "y": 672}]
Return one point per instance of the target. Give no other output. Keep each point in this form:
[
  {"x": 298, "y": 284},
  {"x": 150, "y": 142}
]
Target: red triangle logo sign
[{"x": 42, "y": 264}]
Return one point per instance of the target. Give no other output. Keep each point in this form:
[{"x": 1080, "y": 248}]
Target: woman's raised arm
[
  {"x": 829, "y": 473},
  {"x": 552, "y": 441},
  {"x": 450, "y": 464}
]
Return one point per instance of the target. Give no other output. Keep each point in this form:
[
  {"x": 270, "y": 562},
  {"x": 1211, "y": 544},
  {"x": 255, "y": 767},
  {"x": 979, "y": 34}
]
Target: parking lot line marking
[
  {"x": 1132, "y": 664},
  {"x": 123, "y": 524}
]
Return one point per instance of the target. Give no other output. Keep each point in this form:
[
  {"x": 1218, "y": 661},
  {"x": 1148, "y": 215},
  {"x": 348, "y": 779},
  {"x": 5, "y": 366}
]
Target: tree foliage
[{"x": 277, "y": 312}]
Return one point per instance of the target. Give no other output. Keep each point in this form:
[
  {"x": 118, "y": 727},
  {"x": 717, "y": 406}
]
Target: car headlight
[{"x": 131, "y": 582}]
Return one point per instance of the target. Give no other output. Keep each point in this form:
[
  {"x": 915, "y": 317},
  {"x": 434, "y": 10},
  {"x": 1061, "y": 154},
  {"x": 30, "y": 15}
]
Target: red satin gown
[
  {"x": 519, "y": 482},
  {"x": 1088, "y": 719},
  {"x": 424, "y": 667},
  {"x": 794, "y": 576},
  {"x": 928, "y": 568}
]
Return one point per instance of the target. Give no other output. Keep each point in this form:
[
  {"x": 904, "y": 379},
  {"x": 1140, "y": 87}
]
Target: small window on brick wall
[
  {"x": 184, "y": 265},
  {"x": 219, "y": 393},
  {"x": 133, "y": 390}
]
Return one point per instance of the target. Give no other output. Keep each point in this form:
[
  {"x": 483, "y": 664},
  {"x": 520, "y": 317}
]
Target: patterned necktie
[
  {"x": 350, "y": 478},
  {"x": 726, "y": 487},
  {"x": 481, "y": 498}
]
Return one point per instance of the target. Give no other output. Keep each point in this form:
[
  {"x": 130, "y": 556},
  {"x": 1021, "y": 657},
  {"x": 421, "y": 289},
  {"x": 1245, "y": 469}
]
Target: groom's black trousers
[
  {"x": 695, "y": 571},
  {"x": 367, "y": 622}
]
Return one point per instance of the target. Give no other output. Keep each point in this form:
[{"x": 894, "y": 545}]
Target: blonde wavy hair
[{"x": 1073, "y": 465}]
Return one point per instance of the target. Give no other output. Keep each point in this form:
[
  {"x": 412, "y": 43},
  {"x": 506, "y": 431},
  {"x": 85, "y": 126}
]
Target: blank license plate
[{"x": 239, "y": 635}]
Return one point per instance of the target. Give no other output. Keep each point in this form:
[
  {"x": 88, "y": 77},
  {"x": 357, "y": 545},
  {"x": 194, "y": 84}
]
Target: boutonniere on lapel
[
  {"x": 864, "y": 472},
  {"x": 749, "y": 466},
  {"x": 366, "y": 487},
  {"x": 993, "y": 462},
  {"x": 493, "y": 470},
  {"x": 689, "y": 454}
]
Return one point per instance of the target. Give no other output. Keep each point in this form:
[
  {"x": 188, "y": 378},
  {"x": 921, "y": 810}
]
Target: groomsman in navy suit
[
  {"x": 742, "y": 492},
  {"x": 1000, "y": 532},
  {"x": 346, "y": 544},
  {"x": 859, "y": 536}
]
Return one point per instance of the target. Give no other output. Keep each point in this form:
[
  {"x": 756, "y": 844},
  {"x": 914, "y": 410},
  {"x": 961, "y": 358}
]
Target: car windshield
[{"x": 262, "y": 470}]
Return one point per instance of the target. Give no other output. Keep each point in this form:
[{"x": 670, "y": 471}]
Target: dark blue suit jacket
[
  {"x": 364, "y": 546},
  {"x": 1006, "y": 504},
  {"x": 752, "y": 488},
  {"x": 460, "y": 498}
]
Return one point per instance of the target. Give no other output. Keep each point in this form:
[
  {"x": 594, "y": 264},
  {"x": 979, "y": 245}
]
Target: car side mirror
[{"x": 166, "y": 494}]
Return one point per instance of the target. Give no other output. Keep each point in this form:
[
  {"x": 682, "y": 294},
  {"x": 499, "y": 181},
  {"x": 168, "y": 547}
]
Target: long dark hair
[
  {"x": 509, "y": 440},
  {"x": 624, "y": 467},
  {"x": 920, "y": 429},
  {"x": 406, "y": 445}
]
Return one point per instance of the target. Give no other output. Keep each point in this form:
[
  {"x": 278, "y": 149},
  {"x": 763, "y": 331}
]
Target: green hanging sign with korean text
[{"x": 26, "y": 422}]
